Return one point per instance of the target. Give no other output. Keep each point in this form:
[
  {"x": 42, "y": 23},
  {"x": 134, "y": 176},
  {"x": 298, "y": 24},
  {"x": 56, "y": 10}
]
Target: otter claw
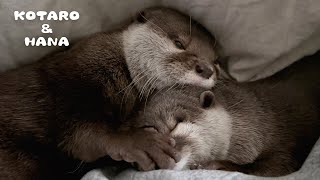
[{"x": 196, "y": 166}]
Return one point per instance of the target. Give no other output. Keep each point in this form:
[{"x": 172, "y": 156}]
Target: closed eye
[
  {"x": 179, "y": 44},
  {"x": 149, "y": 128}
]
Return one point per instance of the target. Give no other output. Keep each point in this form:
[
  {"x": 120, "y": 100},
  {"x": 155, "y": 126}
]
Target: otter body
[
  {"x": 70, "y": 105},
  {"x": 65, "y": 106},
  {"x": 265, "y": 128}
]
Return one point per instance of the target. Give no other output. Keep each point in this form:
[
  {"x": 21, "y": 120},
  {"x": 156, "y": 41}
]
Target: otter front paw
[{"x": 146, "y": 149}]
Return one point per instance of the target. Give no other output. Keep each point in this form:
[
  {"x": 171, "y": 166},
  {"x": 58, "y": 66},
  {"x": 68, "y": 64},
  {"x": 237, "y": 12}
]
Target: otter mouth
[
  {"x": 208, "y": 84},
  {"x": 192, "y": 79}
]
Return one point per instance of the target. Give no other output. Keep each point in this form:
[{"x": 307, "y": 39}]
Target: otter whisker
[
  {"x": 171, "y": 87},
  {"x": 152, "y": 88},
  {"x": 179, "y": 87},
  {"x": 133, "y": 84},
  {"x": 220, "y": 84},
  {"x": 159, "y": 91},
  {"x": 136, "y": 82},
  {"x": 142, "y": 91},
  {"x": 151, "y": 22},
  {"x": 81, "y": 164},
  {"x": 164, "y": 87},
  {"x": 133, "y": 81},
  {"x": 235, "y": 104},
  {"x": 147, "y": 96}
]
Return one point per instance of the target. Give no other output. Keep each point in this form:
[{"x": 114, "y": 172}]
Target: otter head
[
  {"x": 164, "y": 48},
  {"x": 195, "y": 119}
]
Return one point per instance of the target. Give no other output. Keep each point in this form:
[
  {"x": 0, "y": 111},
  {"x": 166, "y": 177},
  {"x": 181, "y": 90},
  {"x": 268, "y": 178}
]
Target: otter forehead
[
  {"x": 177, "y": 25},
  {"x": 164, "y": 47}
]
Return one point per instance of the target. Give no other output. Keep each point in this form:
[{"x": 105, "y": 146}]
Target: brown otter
[
  {"x": 70, "y": 104},
  {"x": 265, "y": 128}
]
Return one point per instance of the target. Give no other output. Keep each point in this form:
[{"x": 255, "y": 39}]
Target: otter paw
[
  {"x": 195, "y": 166},
  {"x": 147, "y": 150},
  {"x": 212, "y": 165}
]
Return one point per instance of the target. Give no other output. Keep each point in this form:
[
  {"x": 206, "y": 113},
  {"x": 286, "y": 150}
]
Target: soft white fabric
[
  {"x": 309, "y": 171},
  {"x": 260, "y": 37}
]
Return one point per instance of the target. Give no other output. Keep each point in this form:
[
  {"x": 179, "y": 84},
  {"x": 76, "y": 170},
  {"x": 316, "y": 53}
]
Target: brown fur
[
  {"x": 63, "y": 105},
  {"x": 68, "y": 107},
  {"x": 275, "y": 121}
]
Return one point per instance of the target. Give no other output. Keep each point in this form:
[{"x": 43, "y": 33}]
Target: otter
[
  {"x": 264, "y": 128},
  {"x": 68, "y": 106}
]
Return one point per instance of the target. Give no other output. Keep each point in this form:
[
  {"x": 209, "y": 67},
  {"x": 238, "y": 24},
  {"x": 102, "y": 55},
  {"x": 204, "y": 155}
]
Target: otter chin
[{"x": 169, "y": 50}]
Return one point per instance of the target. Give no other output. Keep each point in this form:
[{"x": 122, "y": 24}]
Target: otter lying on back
[
  {"x": 70, "y": 104},
  {"x": 265, "y": 128}
]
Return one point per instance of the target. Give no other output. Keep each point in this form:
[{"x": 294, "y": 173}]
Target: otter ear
[
  {"x": 207, "y": 99},
  {"x": 141, "y": 17}
]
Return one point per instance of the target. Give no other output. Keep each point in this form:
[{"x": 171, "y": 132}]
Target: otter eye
[{"x": 178, "y": 44}]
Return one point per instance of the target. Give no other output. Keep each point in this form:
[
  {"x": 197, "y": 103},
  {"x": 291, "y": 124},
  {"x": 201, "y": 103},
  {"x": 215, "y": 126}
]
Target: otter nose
[{"x": 203, "y": 71}]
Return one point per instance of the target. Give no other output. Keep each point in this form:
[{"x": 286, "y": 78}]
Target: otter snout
[{"x": 203, "y": 70}]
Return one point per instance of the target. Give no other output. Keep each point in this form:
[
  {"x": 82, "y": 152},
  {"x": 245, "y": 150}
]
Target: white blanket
[
  {"x": 260, "y": 37},
  {"x": 309, "y": 171}
]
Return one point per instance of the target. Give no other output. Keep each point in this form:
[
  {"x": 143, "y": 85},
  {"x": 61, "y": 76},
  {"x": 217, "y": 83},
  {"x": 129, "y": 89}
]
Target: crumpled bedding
[
  {"x": 259, "y": 38},
  {"x": 309, "y": 171}
]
